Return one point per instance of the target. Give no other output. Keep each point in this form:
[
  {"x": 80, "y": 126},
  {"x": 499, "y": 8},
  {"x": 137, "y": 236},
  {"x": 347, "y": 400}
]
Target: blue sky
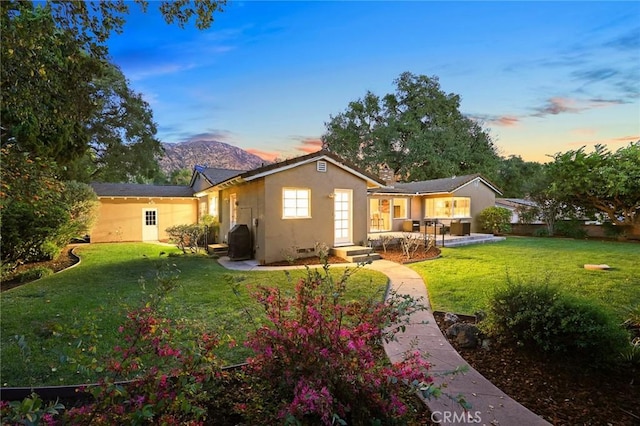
[{"x": 543, "y": 77}]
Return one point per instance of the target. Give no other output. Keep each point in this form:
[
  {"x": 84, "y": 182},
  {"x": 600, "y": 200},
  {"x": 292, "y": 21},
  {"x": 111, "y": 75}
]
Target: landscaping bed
[{"x": 564, "y": 391}]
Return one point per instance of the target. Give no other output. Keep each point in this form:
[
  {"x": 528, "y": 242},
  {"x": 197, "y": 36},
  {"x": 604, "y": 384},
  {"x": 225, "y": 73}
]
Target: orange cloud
[
  {"x": 310, "y": 145},
  {"x": 267, "y": 156},
  {"x": 506, "y": 121},
  {"x": 624, "y": 140}
]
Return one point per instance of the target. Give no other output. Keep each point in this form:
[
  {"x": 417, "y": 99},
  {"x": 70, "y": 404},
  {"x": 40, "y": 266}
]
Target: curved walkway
[{"x": 489, "y": 405}]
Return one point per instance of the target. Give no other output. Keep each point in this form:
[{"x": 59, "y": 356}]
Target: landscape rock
[
  {"x": 465, "y": 335},
  {"x": 450, "y": 318}
]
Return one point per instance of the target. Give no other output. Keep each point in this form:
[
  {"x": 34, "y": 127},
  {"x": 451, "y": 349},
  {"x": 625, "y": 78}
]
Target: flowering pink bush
[
  {"x": 172, "y": 374},
  {"x": 320, "y": 357}
]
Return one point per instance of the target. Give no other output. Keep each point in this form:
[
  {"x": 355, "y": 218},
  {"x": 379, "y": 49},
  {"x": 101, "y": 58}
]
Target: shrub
[
  {"x": 186, "y": 236},
  {"x": 319, "y": 359},
  {"x": 541, "y": 232},
  {"x": 35, "y": 274},
  {"x": 570, "y": 228},
  {"x": 496, "y": 219},
  {"x": 540, "y": 316},
  {"x": 172, "y": 371}
]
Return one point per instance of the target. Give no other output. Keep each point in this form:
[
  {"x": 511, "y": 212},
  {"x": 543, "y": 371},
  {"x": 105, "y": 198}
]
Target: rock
[
  {"x": 450, "y": 318},
  {"x": 597, "y": 267},
  {"x": 465, "y": 335}
]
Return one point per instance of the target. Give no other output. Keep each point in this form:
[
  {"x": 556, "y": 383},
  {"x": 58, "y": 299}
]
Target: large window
[
  {"x": 296, "y": 203},
  {"x": 449, "y": 207}
]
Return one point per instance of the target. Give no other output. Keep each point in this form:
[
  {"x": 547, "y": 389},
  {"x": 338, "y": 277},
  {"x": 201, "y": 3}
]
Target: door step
[
  {"x": 218, "y": 249},
  {"x": 355, "y": 254}
]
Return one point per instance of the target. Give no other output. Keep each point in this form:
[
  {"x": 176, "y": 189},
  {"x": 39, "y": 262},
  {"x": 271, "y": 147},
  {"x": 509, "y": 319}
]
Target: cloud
[
  {"x": 555, "y": 106},
  {"x": 618, "y": 142},
  {"x": 629, "y": 41},
  {"x": 159, "y": 69},
  {"x": 213, "y": 135},
  {"x": 309, "y": 145},
  {"x": 561, "y": 105},
  {"x": 265, "y": 155},
  {"x": 498, "y": 120}
]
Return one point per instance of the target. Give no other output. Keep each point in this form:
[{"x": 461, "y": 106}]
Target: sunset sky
[{"x": 543, "y": 77}]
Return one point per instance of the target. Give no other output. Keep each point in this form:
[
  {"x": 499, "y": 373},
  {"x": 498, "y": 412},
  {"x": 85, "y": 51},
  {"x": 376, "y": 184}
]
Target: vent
[{"x": 321, "y": 166}]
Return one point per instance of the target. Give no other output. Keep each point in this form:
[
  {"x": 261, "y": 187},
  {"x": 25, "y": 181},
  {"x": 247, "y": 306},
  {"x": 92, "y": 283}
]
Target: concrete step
[
  {"x": 355, "y": 254},
  {"x": 218, "y": 249},
  {"x": 363, "y": 258}
]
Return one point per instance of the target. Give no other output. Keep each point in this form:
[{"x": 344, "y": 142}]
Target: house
[
  {"x": 291, "y": 206},
  {"x": 286, "y": 209},
  {"x": 136, "y": 212},
  {"x": 453, "y": 202},
  {"x": 516, "y": 206}
]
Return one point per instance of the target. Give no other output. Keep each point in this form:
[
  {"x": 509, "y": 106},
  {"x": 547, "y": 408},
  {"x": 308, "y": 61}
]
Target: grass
[
  {"x": 463, "y": 278},
  {"x": 74, "y": 315}
]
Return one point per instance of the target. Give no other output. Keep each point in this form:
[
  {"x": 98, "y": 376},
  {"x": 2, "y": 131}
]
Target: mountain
[{"x": 185, "y": 155}]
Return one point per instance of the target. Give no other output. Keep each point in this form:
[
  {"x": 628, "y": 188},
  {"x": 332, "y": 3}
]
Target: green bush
[
  {"x": 186, "y": 236},
  {"x": 540, "y": 316},
  {"x": 496, "y": 219},
  {"x": 35, "y": 273},
  {"x": 570, "y": 229},
  {"x": 541, "y": 232}
]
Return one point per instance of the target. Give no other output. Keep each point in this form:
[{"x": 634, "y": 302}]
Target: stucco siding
[
  {"x": 292, "y": 236},
  {"x": 481, "y": 197},
  {"x": 121, "y": 219}
]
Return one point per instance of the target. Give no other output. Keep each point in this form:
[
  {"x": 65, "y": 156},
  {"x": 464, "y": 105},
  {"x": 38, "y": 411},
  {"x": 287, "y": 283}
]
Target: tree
[
  {"x": 39, "y": 214},
  {"x": 603, "y": 181},
  {"x": 122, "y": 144},
  {"x": 418, "y": 132},
  {"x": 53, "y": 55},
  {"x": 518, "y": 178}
]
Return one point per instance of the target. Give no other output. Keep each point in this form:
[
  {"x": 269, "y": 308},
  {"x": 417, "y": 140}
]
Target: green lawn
[
  {"x": 463, "y": 278},
  {"x": 86, "y": 305}
]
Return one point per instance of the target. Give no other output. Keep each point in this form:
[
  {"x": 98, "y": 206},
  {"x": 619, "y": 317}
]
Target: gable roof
[
  {"x": 214, "y": 175},
  {"x": 436, "y": 186},
  {"x": 120, "y": 190},
  {"x": 260, "y": 172}
]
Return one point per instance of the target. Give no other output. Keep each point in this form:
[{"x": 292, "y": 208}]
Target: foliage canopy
[
  {"x": 601, "y": 180},
  {"x": 418, "y": 132}
]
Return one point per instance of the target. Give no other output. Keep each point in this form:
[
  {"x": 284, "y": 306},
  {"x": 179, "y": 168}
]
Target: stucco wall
[
  {"x": 121, "y": 219},
  {"x": 481, "y": 197},
  {"x": 274, "y": 236}
]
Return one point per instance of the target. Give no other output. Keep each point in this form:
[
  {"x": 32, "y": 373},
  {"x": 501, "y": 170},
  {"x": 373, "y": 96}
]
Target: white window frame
[{"x": 296, "y": 203}]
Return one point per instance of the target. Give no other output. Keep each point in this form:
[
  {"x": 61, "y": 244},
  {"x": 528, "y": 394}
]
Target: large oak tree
[{"x": 418, "y": 132}]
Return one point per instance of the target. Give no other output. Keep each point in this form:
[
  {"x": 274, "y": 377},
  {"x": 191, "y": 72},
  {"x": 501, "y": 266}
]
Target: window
[
  {"x": 450, "y": 207},
  {"x": 151, "y": 217},
  {"x": 296, "y": 203},
  {"x": 400, "y": 208},
  {"x": 233, "y": 209},
  {"x": 213, "y": 205}
]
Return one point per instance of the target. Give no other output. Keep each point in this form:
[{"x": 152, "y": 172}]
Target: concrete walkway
[{"x": 489, "y": 405}]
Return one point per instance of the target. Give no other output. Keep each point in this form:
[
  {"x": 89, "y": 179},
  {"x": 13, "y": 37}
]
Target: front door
[
  {"x": 149, "y": 224},
  {"x": 342, "y": 217}
]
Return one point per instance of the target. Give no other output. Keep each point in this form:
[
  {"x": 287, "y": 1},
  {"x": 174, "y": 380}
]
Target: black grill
[{"x": 239, "y": 243}]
